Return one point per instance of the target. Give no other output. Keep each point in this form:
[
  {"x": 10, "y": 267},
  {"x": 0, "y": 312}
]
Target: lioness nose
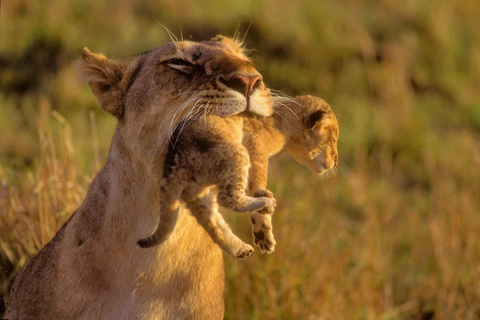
[{"x": 245, "y": 84}]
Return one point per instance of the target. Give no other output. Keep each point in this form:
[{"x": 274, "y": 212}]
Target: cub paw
[
  {"x": 244, "y": 251},
  {"x": 262, "y": 233},
  {"x": 261, "y": 203},
  {"x": 267, "y": 210},
  {"x": 272, "y": 202},
  {"x": 263, "y": 193}
]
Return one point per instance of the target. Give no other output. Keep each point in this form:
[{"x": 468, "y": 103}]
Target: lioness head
[
  {"x": 313, "y": 140},
  {"x": 173, "y": 81}
]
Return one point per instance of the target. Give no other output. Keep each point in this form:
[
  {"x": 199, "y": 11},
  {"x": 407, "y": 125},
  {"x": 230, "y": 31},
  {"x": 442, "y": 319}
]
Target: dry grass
[
  {"x": 35, "y": 203},
  {"x": 396, "y": 235}
]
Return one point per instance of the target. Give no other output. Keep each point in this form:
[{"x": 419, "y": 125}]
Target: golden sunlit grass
[
  {"x": 34, "y": 204},
  {"x": 353, "y": 247},
  {"x": 395, "y": 235}
]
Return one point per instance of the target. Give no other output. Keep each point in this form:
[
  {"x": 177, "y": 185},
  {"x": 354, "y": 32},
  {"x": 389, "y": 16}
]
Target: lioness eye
[
  {"x": 179, "y": 62},
  {"x": 180, "y": 65}
]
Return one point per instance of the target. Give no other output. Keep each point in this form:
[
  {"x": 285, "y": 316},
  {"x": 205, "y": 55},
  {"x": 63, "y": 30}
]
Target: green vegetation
[{"x": 396, "y": 235}]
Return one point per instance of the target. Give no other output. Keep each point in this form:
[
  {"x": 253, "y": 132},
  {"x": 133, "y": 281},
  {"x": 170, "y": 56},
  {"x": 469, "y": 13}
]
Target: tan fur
[
  {"x": 210, "y": 152},
  {"x": 207, "y": 152},
  {"x": 92, "y": 268},
  {"x": 307, "y": 128}
]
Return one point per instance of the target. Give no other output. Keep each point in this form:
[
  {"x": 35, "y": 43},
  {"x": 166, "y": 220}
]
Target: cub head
[
  {"x": 313, "y": 133},
  {"x": 173, "y": 81}
]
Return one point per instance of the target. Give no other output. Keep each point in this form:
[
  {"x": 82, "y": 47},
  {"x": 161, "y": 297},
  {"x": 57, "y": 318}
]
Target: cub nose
[{"x": 245, "y": 84}]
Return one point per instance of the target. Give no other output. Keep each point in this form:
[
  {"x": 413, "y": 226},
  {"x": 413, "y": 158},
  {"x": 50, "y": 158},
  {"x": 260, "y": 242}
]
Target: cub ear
[
  {"x": 104, "y": 76},
  {"x": 313, "y": 119}
]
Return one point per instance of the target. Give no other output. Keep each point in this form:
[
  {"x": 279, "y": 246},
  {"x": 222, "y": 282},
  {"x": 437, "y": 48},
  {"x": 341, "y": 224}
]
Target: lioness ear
[
  {"x": 104, "y": 77},
  {"x": 313, "y": 119}
]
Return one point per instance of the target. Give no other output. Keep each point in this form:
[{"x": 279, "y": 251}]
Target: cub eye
[{"x": 179, "y": 64}]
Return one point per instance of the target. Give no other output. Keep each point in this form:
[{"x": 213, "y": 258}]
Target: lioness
[{"x": 92, "y": 268}]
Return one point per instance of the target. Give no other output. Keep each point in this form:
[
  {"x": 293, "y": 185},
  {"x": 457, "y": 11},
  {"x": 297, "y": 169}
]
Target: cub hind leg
[
  {"x": 262, "y": 230},
  {"x": 204, "y": 208},
  {"x": 262, "y": 227}
]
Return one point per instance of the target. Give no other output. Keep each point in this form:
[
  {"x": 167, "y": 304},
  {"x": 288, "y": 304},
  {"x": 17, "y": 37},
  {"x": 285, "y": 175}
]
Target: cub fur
[
  {"x": 210, "y": 152},
  {"x": 307, "y": 128},
  {"x": 207, "y": 152}
]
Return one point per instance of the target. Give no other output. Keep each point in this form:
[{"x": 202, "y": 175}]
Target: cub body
[
  {"x": 205, "y": 153},
  {"x": 228, "y": 152}
]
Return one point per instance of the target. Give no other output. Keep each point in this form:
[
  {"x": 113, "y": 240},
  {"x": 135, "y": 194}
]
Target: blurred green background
[{"x": 396, "y": 235}]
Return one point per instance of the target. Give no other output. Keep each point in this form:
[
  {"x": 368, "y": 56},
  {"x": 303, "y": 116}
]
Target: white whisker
[
  {"x": 181, "y": 94},
  {"x": 287, "y": 99},
  {"x": 185, "y": 118},
  {"x": 180, "y": 110},
  {"x": 280, "y": 95},
  {"x": 191, "y": 116},
  {"x": 246, "y": 32},
  {"x": 173, "y": 114},
  {"x": 205, "y": 112},
  {"x": 237, "y": 32},
  {"x": 280, "y": 114},
  {"x": 288, "y": 108},
  {"x": 172, "y": 36}
]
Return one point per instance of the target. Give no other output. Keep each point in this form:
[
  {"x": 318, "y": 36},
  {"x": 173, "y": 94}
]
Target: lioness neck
[{"x": 186, "y": 270}]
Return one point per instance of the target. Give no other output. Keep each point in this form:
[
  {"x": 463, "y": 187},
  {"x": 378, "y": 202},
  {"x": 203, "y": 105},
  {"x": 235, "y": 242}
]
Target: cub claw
[
  {"x": 267, "y": 210},
  {"x": 244, "y": 252},
  {"x": 263, "y": 193}
]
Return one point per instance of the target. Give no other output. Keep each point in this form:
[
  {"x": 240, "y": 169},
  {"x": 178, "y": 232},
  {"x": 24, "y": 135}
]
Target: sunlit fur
[
  {"x": 92, "y": 268},
  {"x": 210, "y": 152},
  {"x": 207, "y": 153},
  {"x": 314, "y": 144},
  {"x": 307, "y": 128}
]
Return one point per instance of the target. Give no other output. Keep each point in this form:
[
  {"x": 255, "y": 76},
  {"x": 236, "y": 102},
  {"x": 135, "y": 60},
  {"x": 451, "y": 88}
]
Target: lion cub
[
  {"x": 210, "y": 152},
  {"x": 207, "y": 152},
  {"x": 307, "y": 128}
]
